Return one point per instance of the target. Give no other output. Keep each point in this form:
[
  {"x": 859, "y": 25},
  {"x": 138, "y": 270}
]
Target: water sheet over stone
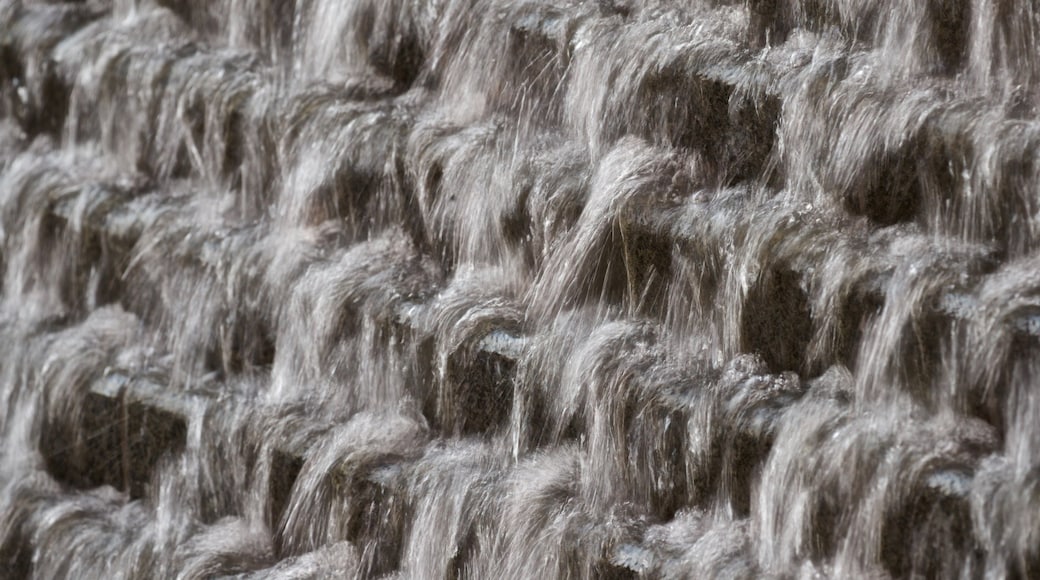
[{"x": 519, "y": 289}]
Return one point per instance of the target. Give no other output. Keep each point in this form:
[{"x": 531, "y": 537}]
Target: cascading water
[{"x": 519, "y": 289}]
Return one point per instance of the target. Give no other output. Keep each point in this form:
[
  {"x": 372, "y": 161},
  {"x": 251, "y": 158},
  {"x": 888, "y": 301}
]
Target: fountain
[{"x": 519, "y": 289}]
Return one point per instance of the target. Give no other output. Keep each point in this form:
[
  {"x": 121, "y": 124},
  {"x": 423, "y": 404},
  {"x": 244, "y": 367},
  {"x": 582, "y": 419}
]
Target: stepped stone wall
[{"x": 519, "y": 289}]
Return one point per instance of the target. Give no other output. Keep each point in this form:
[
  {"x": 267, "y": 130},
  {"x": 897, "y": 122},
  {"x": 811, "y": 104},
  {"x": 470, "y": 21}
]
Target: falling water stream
[{"x": 519, "y": 289}]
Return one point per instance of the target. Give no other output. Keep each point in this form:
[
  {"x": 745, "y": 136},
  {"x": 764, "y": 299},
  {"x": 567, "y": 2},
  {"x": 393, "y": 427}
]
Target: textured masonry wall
[{"x": 519, "y": 289}]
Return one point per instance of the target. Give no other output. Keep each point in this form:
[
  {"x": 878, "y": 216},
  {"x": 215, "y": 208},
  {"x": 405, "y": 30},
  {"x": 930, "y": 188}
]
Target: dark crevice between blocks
[
  {"x": 750, "y": 142},
  {"x": 768, "y": 23},
  {"x": 482, "y": 394},
  {"x": 923, "y": 341},
  {"x": 888, "y": 189},
  {"x": 49, "y": 115},
  {"x": 424, "y": 349},
  {"x": 951, "y": 21},
  {"x": 45, "y": 117},
  {"x": 16, "y": 554},
  {"x": 920, "y": 533},
  {"x": 621, "y": 8},
  {"x": 234, "y": 130},
  {"x": 946, "y": 32},
  {"x": 743, "y": 458},
  {"x": 776, "y": 321},
  {"x": 734, "y": 130},
  {"x": 401, "y": 62},
  {"x": 990, "y": 402},
  {"x": 379, "y": 518},
  {"x": 534, "y": 413},
  {"x": 466, "y": 549},
  {"x": 91, "y": 272},
  {"x": 664, "y": 459},
  {"x": 285, "y": 469},
  {"x": 516, "y": 224},
  {"x": 244, "y": 347},
  {"x": 535, "y": 42},
  {"x": 648, "y": 259},
  {"x": 118, "y": 443},
  {"x": 859, "y": 308},
  {"x": 693, "y": 120}
]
